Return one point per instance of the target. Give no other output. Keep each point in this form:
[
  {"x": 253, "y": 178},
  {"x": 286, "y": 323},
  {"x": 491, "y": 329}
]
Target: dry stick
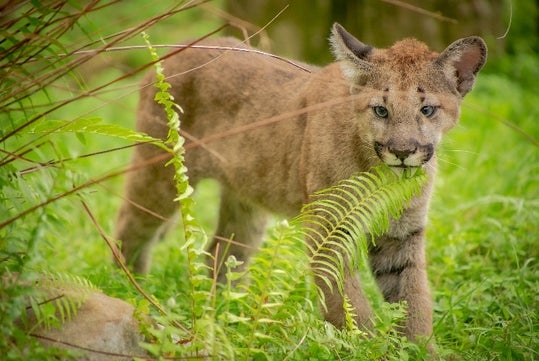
[
  {"x": 232, "y": 242},
  {"x": 85, "y": 185},
  {"x": 203, "y": 47},
  {"x": 120, "y": 36},
  {"x": 21, "y": 156},
  {"x": 28, "y": 308},
  {"x": 49, "y": 78},
  {"x": 81, "y": 52},
  {"x": 270, "y": 120},
  {"x": 64, "y": 160},
  {"x": 214, "y": 47},
  {"x": 120, "y": 261},
  {"x": 420, "y": 10},
  {"x": 86, "y": 94},
  {"x": 27, "y": 58},
  {"x": 57, "y": 73},
  {"x": 181, "y": 48},
  {"x": 135, "y": 47},
  {"x": 35, "y": 34},
  {"x": 84, "y": 348},
  {"x": 115, "y": 354},
  {"x": 124, "y": 33},
  {"x": 505, "y": 122},
  {"x": 200, "y": 142},
  {"x": 195, "y": 142},
  {"x": 135, "y": 204}
]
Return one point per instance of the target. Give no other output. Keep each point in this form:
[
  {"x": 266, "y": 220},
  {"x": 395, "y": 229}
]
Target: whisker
[
  {"x": 461, "y": 151},
  {"x": 457, "y": 165},
  {"x": 430, "y": 166}
]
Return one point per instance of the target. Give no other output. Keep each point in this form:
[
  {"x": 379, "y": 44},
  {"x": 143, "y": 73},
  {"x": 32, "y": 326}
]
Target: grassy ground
[
  {"x": 483, "y": 232},
  {"x": 484, "y": 228}
]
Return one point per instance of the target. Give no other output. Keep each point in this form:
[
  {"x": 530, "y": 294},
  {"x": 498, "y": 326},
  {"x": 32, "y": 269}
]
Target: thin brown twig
[
  {"x": 10, "y": 156},
  {"x": 135, "y": 204},
  {"x": 22, "y": 59},
  {"x": 505, "y": 122},
  {"x": 61, "y": 71},
  {"x": 88, "y": 349},
  {"x": 421, "y": 11},
  {"x": 95, "y": 90},
  {"x": 120, "y": 261},
  {"x": 270, "y": 120},
  {"x": 202, "y": 47},
  {"x": 116, "y": 354},
  {"x": 235, "y": 243},
  {"x": 47, "y": 301},
  {"x": 200, "y": 142},
  {"x": 89, "y": 93},
  {"x": 84, "y": 185},
  {"x": 64, "y": 160},
  {"x": 509, "y": 24}
]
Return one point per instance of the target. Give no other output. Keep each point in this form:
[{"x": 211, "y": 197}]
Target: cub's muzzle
[{"x": 411, "y": 155}]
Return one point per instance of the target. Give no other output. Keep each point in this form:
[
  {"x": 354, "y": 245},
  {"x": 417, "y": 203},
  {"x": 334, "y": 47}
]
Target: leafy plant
[
  {"x": 354, "y": 210},
  {"x": 56, "y": 152},
  {"x": 57, "y": 299},
  {"x": 43, "y": 46}
]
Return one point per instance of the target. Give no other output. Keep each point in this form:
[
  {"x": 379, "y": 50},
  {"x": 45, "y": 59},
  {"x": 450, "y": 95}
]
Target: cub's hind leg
[
  {"x": 240, "y": 232},
  {"x": 148, "y": 207}
]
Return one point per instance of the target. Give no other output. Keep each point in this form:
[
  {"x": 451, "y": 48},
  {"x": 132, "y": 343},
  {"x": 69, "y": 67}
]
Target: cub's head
[{"x": 410, "y": 95}]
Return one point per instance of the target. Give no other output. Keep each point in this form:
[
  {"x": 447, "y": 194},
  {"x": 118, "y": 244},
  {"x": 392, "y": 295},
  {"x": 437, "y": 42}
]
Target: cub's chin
[{"x": 404, "y": 170}]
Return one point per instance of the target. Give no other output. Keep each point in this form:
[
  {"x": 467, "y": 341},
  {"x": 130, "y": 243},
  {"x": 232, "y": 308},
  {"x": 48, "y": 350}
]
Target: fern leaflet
[
  {"x": 58, "y": 298},
  {"x": 341, "y": 219}
]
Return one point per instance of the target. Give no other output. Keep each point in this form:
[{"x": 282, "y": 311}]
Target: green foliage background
[{"x": 482, "y": 236}]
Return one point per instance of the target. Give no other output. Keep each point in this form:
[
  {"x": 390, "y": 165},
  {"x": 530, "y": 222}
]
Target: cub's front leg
[
  {"x": 398, "y": 264},
  {"x": 333, "y": 298}
]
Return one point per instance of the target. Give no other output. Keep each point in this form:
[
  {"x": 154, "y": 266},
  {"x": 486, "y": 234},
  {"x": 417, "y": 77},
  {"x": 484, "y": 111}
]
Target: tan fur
[{"x": 272, "y": 133}]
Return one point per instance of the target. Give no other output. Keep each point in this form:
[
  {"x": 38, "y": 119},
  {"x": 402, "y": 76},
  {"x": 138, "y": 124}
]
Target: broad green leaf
[{"x": 94, "y": 125}]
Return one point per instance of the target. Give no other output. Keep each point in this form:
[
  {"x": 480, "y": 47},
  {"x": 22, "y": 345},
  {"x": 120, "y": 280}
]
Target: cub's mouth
[
  {"x": 404, "y": 166},
  {"x": 411, "y": 155}
]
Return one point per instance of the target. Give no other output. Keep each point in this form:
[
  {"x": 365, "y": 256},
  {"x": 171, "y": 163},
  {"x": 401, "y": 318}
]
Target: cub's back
[
  {"x": 223, "y": 77},
  {"x": 222, "y": 86}
]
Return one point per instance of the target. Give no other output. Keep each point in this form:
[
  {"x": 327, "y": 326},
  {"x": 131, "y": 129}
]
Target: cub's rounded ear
[
  {"x": 462, "y": 60},
  {"x": 352, "y": 52}
]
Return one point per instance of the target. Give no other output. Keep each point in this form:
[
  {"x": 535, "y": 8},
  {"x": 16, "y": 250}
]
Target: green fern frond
[
  {"x": 58, "y": 297},
  {"x": 204, "y": 332},
  {"x": 335, "y": 228},
  {"x": 341, "y": 219},
  {"x": 195, "y": 237},
  {"x": 92, "y": 125},
  {"x": 349, "y": 315}
]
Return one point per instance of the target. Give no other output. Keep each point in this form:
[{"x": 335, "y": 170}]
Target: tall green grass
[
  {"x": 482, "y": 236},
  {"x": 485, "y": 227}
]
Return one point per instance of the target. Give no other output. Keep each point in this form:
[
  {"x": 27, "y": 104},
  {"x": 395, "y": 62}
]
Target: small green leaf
[{"x": 82, "y": 126}]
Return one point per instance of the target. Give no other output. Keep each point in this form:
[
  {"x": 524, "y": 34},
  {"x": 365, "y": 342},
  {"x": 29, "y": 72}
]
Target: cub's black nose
[{"x": 402, "y": 154}]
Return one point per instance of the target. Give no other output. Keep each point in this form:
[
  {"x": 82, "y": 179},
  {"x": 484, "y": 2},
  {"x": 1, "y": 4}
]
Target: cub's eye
[
  {"x": 428, "y": 110},
  {"x": 380, "y": 111}
]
